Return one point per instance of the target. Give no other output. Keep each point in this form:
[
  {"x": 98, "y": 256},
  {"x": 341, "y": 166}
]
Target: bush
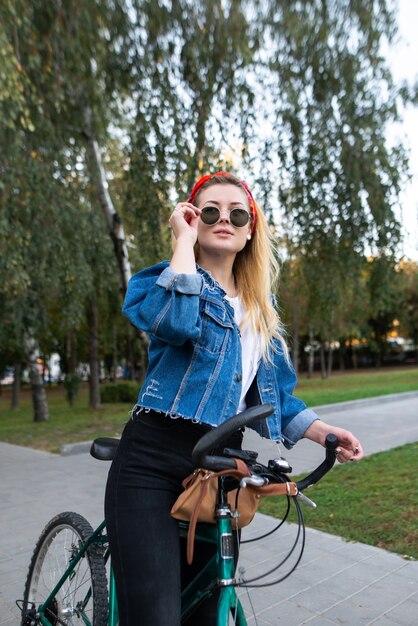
[{"x": 120, "y": 392}]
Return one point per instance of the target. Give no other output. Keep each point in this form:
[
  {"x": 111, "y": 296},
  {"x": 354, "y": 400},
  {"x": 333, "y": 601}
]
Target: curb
[{"x": 75, "y": 448}]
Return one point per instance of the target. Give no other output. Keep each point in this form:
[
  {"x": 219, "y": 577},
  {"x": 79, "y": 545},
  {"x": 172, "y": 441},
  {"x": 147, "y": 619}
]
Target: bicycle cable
[
  {"x": 251, "y": 604},
  {"x": 270, "y": 532},
  {"x": 300, "y": 533}
]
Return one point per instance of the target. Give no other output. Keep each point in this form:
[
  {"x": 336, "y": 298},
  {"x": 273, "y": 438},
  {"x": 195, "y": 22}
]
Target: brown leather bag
[{"x": 197, "y": 502}]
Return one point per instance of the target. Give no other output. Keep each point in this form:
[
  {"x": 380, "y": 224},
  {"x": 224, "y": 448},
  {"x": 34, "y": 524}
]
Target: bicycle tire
[{"x": 82, "y": 599}]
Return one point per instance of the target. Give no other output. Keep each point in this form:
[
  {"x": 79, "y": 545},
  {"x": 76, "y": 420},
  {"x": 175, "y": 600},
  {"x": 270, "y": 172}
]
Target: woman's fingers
[
  {"x": 349, "y": 450},
  {"x": 183, "y": 220},
  {"x": 185, "y": 210},
  {"x": 349, "y": 447}
]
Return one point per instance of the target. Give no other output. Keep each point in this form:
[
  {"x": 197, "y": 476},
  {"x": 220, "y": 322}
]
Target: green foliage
[
  {"x": 331, "y": 114},
  {"x": 340, "y": 180},
  {"x": 120, "y": 392},
  {"x": 189, "y": 83},
  {"x": 408, "y": 309},
  {"x": 57, "y": 252},
  {"x": 170, "y": 90}
]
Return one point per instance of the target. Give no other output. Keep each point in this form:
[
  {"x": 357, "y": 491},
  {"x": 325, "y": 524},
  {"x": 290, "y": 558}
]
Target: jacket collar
[{"x": 210, "y": 282}]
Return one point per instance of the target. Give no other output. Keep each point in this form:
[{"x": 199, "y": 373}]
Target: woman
[{"x": 215, "y": 348}]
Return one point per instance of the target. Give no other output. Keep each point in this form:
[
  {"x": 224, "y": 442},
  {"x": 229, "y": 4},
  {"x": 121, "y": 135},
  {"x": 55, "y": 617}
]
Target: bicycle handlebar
[
  {"x": 214, "y": 438},
  {"x": 331, "y": 443}
]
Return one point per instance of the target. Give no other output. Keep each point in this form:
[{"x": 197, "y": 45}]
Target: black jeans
[{"x": 149, "y": 560}]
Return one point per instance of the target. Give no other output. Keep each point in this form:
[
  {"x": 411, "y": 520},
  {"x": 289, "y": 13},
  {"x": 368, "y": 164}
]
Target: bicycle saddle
[{"x": 104, "y": 448}]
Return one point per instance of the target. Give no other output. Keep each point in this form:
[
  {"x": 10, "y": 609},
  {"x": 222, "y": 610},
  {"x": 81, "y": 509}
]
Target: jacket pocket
[{"x": 215, "y": 325}]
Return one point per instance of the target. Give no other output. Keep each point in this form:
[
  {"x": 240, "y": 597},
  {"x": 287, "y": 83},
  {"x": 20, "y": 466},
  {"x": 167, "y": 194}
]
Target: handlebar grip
[
  {"x": 331, "y": 443},
  {"x": 214, "y": 438}
]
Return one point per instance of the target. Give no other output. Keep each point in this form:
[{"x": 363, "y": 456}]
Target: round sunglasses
[{"x": 211, "y": 215}]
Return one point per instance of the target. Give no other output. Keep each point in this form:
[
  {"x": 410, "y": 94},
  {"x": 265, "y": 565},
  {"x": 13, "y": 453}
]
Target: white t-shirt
[{"x": 250, "y": 350}]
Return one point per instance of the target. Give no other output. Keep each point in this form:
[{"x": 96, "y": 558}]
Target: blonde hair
[{"x": 256, "y": 272}]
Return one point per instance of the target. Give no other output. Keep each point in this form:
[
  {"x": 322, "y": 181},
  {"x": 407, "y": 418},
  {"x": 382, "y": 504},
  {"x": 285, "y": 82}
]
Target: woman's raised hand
[
  {"x": 349, "y": 447},
  {"x": 183, "y": 221}
]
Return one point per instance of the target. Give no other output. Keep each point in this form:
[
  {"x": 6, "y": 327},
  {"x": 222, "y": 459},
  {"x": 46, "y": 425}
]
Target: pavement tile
[
  {"x": 365, "y": 606},
  {"x": 288, "y": 613},
  {"x": 340, "y": 585},
  {"x": 350, "y": 613},
  {"x": 322, "y": 570},
  {"x": 386, "y": 621},
  {"x": 318, "y": 598},
  {"x": 406, "y": 610},
  {"x": 8, "y": 616}
]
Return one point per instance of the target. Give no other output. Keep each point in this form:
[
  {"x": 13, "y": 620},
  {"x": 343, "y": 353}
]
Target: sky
[{"x": 403, "y": 60}]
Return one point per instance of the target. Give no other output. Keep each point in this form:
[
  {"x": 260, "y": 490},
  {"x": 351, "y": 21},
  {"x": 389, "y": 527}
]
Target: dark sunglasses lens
[
  {"x": 210, "y": 215},
  {"x": 239, "y": 217}
]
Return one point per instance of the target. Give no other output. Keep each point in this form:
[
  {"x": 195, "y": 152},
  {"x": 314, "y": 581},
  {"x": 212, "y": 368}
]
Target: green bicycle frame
[{"x": 219, "y": 571}]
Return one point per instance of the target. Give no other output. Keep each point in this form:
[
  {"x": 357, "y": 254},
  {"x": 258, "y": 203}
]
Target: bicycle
[{"x": 67, "y": 579}]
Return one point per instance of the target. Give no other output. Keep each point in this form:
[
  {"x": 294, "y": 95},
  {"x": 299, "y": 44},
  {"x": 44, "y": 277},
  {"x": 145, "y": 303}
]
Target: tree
[
  {"x": 56, "y": 47},
  {"x": 385, "y": 297},
  {"x": 332, "y": 97},
  {"x": 407, "y": 310},
  {"x": 188, "y": 83}
]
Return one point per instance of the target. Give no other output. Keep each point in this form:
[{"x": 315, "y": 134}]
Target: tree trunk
[
  {"x": 330, "y": 360},
  {"x": 200, "y": 137},
  {"x": 379, "y": 352},
  {"x": 354, "y": 356},
  {"x": 311, "y": 354},
  {"x": 114, "y": 354},
  {"x": 341, "y": 355},
  {"x": 114, "y": 222},
  {"x": 295, "y": 324},
  {"x": 71, "y": 352},
  {"x": 129, "y": 357},
  {"x": 93, "y": 332},
  {"x": 322, "y": 357},
  {"x": 39, "y": 399},
  {"x": 16, "y": 384}
]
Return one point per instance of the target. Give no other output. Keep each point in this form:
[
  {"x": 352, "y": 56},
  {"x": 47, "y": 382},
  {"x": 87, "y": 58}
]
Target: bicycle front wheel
[{"x": 81, "y": 599}]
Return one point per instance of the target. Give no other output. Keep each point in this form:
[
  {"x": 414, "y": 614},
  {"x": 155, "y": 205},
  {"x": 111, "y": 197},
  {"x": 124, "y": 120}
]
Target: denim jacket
[{"x": 194, "y": 367}]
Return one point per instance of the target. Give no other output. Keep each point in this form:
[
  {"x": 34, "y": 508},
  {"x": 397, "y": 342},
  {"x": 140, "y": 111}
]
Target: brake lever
[
  {"x": 255, "y": 481},
  {"x": 306, "y": 500}
]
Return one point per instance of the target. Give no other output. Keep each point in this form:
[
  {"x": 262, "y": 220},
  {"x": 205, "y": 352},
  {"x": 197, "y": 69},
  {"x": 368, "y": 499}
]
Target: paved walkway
[{"x": 336, "y": 583}]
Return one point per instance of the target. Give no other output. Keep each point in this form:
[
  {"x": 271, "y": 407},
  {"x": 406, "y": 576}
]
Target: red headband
[{"x": 199, "y": 184}]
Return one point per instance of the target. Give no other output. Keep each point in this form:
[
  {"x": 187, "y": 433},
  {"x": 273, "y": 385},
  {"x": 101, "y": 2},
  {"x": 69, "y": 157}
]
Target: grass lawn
[
  {"x": 65, "y": 425},
  {"x": 373, "y": 502},
  {"x": 355, "y": 385}
]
